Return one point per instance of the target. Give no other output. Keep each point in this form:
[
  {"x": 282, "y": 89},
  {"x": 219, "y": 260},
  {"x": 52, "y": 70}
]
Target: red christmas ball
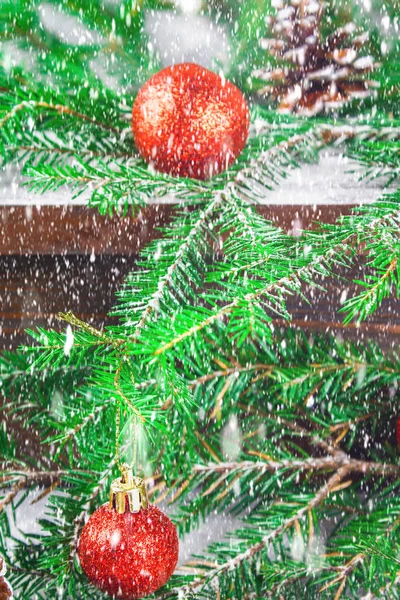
[
  {"x": 5, "y": 588},
  {"x": 189, "y": 122},
  {"x": 128, "y": 555}
]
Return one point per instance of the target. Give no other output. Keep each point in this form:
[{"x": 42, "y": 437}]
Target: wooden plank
[
  {"x": 33, "y": 289},
  {"x": 72, "y": 229},
  {"x": 76, "y": 230},
  {"x": 54, "y": 258}
]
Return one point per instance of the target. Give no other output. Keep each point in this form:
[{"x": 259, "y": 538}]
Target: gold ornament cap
[{"x": 128, "y": 492}]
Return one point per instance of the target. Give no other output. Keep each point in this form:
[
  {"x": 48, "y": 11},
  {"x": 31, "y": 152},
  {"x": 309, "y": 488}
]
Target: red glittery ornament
[
  {"x": 5, "y": 588},
  {"x": 129, "y": 554},
  {"x": 189, "y": 122}
]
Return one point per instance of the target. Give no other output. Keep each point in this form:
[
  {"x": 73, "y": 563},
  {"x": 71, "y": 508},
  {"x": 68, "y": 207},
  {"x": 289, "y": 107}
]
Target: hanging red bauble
[
  {"x": 190, "y": 122},
  {"x": 128, "y": 548}
]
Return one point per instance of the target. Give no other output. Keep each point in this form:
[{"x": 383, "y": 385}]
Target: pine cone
[
  {"x": 5, "y": 589},
  {"x": 325, "y": 74}
]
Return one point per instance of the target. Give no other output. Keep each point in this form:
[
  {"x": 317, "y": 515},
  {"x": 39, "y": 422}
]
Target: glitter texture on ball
[
  {"x": 129, "y": 555},
  {"x": 189, "y": 122}
]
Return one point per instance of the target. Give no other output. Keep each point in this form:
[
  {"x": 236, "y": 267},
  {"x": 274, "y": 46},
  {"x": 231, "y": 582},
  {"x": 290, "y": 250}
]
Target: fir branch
[
  {"x": 274, "y": 463},
  {"x": 114, "y": 184},
  {"x": 377, "y": 236},
  {"x": 331, "y": 245},
  {"x": 30, "y": 476},
  {"x": 87, "y": 507},
  {"x": 379, "y": 160},
  {"x": 25, "y": 480},
  {"x": 378, "y": 288},
  {"x": 15, "y": 369},
  {"x": 37, "y": 147},
  {"x": 54, "y": 348},
  {"x": 72, "y": 319},
  {"x": 197, "y": 585},
  {"x": 61, "y": 109},
  {"x": 334, "y": 462},
  {"x": 281, "y": 286},
  {"x": 16, "y": 488},
  {"x": 390, "y": 589},
  {"x": 369, "y": 551},
  {"x": 184, "y": 246},
  {"x": 189, "y": 244},
  {"x": 39, "y": 102},
  {"x": 66, "y": 437}
]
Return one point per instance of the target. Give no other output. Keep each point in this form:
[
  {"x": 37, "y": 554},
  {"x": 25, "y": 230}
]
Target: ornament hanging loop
[
  {"x": 128, "y": 493},
  {"x": 136, "y": 417}
]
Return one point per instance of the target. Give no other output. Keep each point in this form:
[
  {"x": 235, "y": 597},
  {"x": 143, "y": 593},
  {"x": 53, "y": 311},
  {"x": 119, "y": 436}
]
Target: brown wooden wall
[{"x": 54, "y": 259}]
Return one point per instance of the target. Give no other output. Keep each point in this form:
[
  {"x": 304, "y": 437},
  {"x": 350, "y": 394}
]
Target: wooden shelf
[
  {"x": 53, "y": 224},
  {"x": 58, "y": 258},
  {"x": 72, "y": 229}
]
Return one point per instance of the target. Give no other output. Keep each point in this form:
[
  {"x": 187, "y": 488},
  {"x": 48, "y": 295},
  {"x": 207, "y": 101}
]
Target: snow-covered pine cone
[
  {"x": 323, "y": 74},
  {"x": 5, "y": 589}
]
